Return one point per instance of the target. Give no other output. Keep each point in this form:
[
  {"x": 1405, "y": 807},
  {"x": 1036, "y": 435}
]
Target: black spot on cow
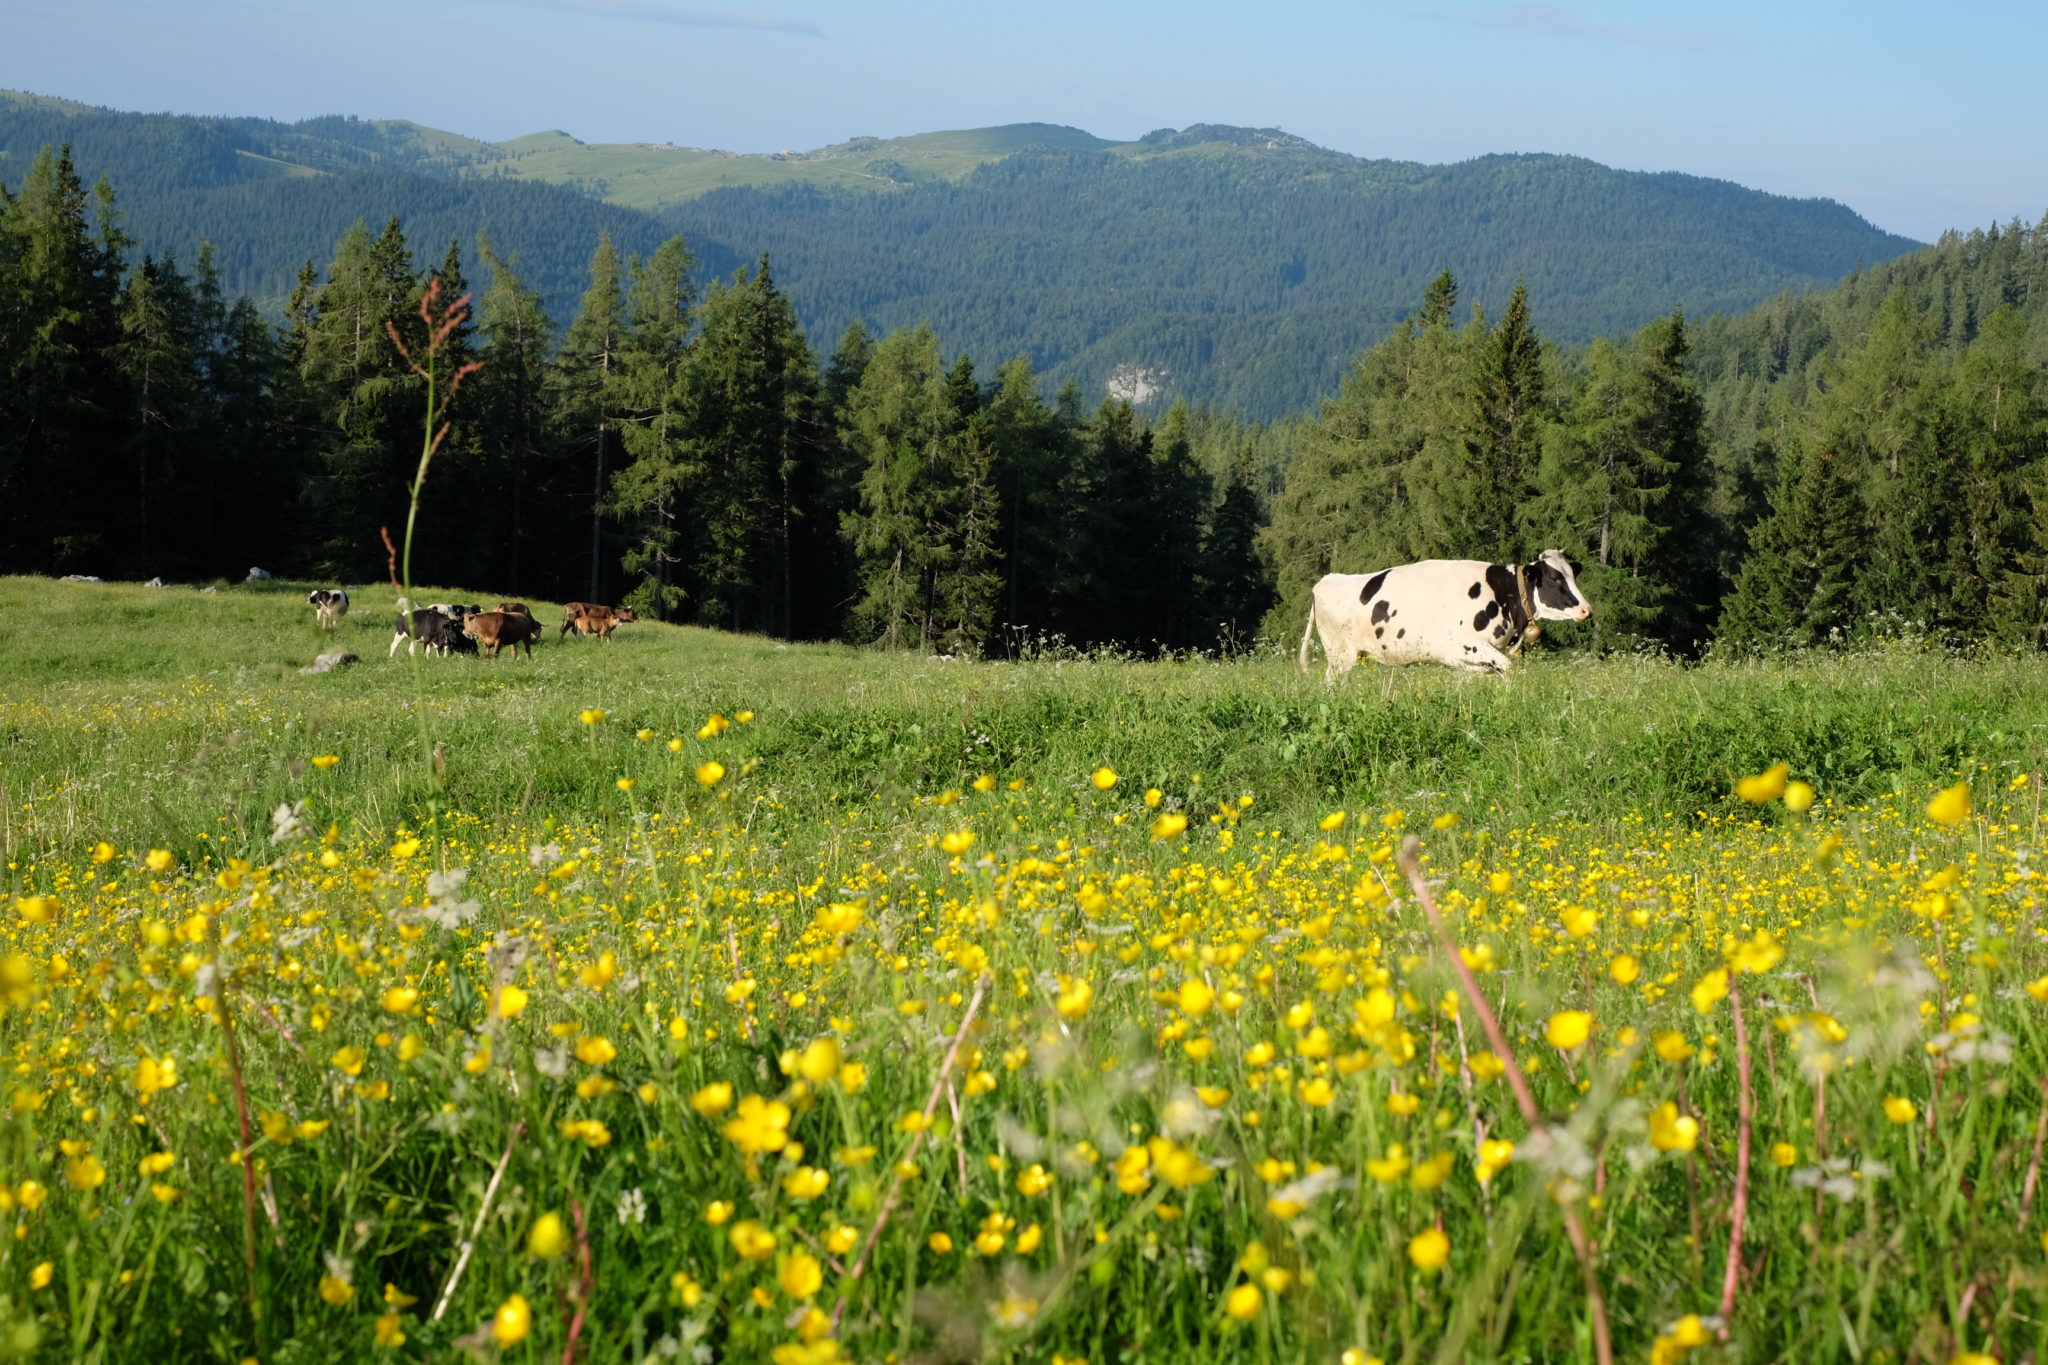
[
  {"x": 1380, "y": 612},
  {"x": 1468, "y": 649},
  {"x": 1401, "y": 634},
  {"x": 1485, "y": 617},
  {"x": 1474, "y": 594},
  {"x": 1508, "y": 594},
  {"x": 1378, "y": 631},
  {"x": 1372, "y": 587}
]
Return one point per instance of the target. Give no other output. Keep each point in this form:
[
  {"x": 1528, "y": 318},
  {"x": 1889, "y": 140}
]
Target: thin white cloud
[
  {"x": 1555, "y": 21},
  {"x": 684, "y": 16}
]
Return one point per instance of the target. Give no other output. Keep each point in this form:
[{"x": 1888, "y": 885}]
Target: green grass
[{"x": 707, "y": 926}]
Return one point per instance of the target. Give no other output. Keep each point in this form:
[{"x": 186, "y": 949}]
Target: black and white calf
[
  {"x": 329, "y": 606},
  {"x": 1463, "y": 612},
  {"x": 438, "y": 627}
]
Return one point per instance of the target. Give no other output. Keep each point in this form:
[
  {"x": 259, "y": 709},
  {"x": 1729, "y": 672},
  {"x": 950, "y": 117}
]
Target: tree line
[
  {"x": 1785, "y": 476},
  {"x": 680, "y": 449}
]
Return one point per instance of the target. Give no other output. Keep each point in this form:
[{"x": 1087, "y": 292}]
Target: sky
[{"x": 1918, "y": 121}]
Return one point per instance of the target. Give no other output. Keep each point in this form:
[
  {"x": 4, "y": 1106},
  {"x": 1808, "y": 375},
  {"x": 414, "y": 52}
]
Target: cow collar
[{"x": 1525, "y": 597}]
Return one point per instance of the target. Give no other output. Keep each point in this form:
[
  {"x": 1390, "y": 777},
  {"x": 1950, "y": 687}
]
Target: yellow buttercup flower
[
  {"x": 1950, "y": 804},
  {"x": 514, "y": 1318},
  {"x": 1429, "y": 1249},
  {"x": 548, "y": 1238},
  {"x": 711, "y": 773},
  {"x": 1568, "y": 1029},
  {"x": 326, "y": 760},
  {"x": 1766, "y": 786},
  {"x": 1104, "y": 778},
  {"x": 1243, "y": 1302},
  {"x": 1899, "y": 1109}
]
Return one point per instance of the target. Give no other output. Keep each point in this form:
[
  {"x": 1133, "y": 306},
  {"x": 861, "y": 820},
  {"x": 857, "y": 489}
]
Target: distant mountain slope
[
  {"x": 1240, "y": 266},
  {"x": 1250, "y": 275}
]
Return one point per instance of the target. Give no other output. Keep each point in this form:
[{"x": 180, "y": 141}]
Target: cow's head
[
  {"x": 1554, "y": 589},
  {"x": 626, "y": 614}
]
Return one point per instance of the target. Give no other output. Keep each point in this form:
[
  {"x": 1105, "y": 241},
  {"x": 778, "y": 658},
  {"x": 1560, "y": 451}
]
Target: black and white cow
[
  {"x": 438, "y": 627},
  {"x": 1463, "y": 612},
  {"x": 329, "y": 606}
]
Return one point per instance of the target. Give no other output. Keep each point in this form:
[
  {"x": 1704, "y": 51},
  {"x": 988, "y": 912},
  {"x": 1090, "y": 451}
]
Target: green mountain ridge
[{"x": 1231, "y": 265}]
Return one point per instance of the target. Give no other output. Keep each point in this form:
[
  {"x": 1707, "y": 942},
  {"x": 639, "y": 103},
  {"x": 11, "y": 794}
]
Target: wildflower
[
  {"x": 601, "y": 973},
  {"x": 159, "y": 861},
  {"x": 595, "y": 1050},
  {"x": 1568, "y": 1029},
  {"x": 1196, "y": 996},
  {"x": 514, "y": 1319},
  {"x": 752, "y": 1241},
  {"x": 819, "y": 1062},
  {"x": 1670, "y": 1045},
  {"x": 548, "y": 1238},
  {"x": 1766, "y": 786},
  {"x": 1710, "y": 990},
  {"x": 1950, "y": 804},
  {"x": 1429, "y": 1249},
  {"x": 1494, "y": 1155},
  {"x": 324, "y": 761},
  {"x": 1073, "y": 1001},
  {"x": 1169, "y": 825},
  {"x": 40, "y": 1277},
  {"x": 1334, "y": 820},
  {"x": 511, "y": 1000},
  {"x": 156, "y": 1163},
  {"x": 153, "y": 1074},
  {"x": 625, "y": 784},
  {"x": 760, "y": 1125},
  {"x": 388, "y": 1330},
  {"x": 1899, "y": 1109},
  {"x": 1783, "y": 1155},
  {"x": 1799, "y": 797},
  {"x": 1760, "y": 954},
  {"x": 1389, "y": 1168},
  {"x": 36, "y": 909},
  {"x": 593, "y": 716},
  {"x": 1671, "y": 1131},
  {"x": 805, "y": 1182},
  {"x": 800, "y": 1275},
  {"x": 349, "y": 1061},
  {"x": 940, "y": 1243},
  {"x": 1316, "y": 1093},
  {"x": 957, "y": 842},
  {"x": 1624, "y": 970},
  {"x": 85, "y": 1172},
  {"x": 1243, "y": 1302},
  {"x": 1178, "y": 1166},
  {"x": 336, "y": 1290},
  {"x": 709, "y": 774},
  {"x": 1104, "y": 778},
  {"x": 400, "y": 1000}
]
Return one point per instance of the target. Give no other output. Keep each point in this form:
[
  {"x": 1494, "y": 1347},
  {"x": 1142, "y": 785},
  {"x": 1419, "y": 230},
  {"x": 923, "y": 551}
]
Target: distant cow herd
[
  {"x": 452, "y": 628},
  {"x": 1464, "y": 613}
]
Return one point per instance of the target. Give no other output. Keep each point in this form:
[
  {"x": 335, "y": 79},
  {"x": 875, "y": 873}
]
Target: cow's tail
[{"x": 1308, "y": 632}]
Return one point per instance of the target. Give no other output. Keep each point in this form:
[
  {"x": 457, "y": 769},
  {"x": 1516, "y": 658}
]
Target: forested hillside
[{"x": 1239, "y": 268}]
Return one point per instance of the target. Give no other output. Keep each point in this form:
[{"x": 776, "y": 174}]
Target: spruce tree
[
  {"x": 647, "y": 491},
  {"x": 1495, "y": 474},
  {"x": 1799, "y": 585},
  {"x": 512, "y": 399},
  {"x": 591, "y": 402}
]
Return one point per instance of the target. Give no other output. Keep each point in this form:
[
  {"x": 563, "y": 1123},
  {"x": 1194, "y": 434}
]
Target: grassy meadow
[{"x": 700, "y": 997}]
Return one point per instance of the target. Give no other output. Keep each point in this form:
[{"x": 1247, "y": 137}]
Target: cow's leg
[
  {"x": 1340, "y": 656},
  {"x": 400, "y": 635},
  {"x": 1484, "y": 658}
]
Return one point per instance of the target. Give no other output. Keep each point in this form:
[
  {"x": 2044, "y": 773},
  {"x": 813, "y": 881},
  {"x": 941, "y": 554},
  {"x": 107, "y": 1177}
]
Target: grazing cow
[
  {"x": 439, "y": 628},
  {"x": 1461, "y": 612},
  {"x": 329, "y": 606},
  {"x": 588, "y": 618},
  {"x": 493, "y": 630}
]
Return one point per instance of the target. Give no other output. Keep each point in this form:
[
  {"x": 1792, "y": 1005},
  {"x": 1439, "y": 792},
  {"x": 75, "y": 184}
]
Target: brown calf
[
  {"x": 493, "y": 630},
  {"x": 588, "y": 618}
]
